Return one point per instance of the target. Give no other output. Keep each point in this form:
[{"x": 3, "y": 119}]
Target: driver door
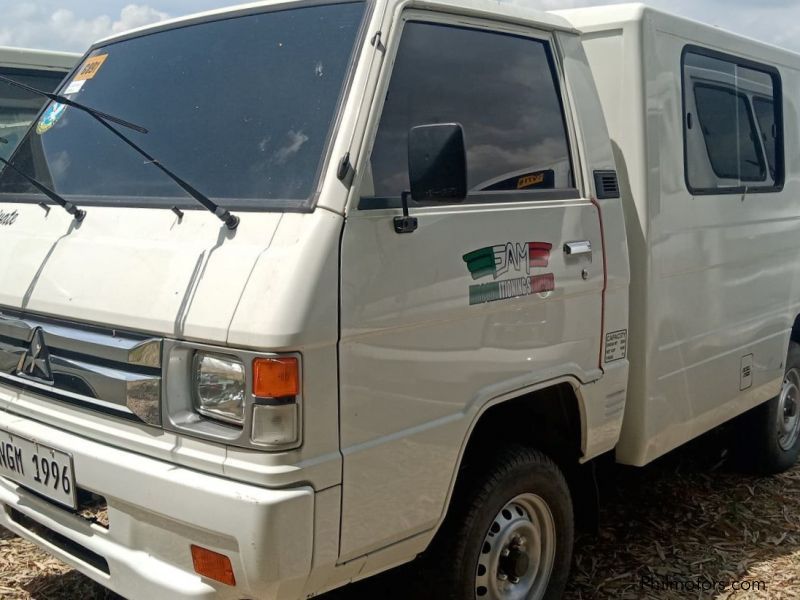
[{"x": 482, "y": 296}]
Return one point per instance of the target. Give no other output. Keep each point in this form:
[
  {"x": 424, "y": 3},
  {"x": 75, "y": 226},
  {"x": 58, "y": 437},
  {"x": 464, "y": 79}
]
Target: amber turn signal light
[
  {"x": 213, "y": 565},
  {"x": 277, "y": 377}
]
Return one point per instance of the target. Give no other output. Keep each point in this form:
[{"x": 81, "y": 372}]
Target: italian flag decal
[{"x": 511, "y": 257}]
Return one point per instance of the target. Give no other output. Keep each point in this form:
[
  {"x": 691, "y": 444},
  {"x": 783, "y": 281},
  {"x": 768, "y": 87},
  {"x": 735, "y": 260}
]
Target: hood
[{"x": 138, "y": 269}]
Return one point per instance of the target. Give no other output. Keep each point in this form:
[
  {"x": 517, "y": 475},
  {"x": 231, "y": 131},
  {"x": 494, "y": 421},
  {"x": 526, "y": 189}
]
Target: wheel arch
[
  {"x": 795, "y": 334},
  {"x": 550, "y": 417}
]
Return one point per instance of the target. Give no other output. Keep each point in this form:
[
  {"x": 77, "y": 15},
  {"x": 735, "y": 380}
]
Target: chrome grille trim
[
  {"x": 113, "y": 345},
  {"x": 107, "y": 369}
]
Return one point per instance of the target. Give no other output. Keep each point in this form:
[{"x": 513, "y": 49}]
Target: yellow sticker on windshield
[{"x": 90, "y": 67}]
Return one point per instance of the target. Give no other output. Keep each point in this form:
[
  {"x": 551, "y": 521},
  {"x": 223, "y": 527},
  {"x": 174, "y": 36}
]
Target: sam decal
[{"x": 512, "y": 258}]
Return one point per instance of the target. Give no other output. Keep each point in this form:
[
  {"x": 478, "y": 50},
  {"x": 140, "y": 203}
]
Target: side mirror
[
  {"x": 437, "y": 162},
  {"x": 437, "y": 168}
]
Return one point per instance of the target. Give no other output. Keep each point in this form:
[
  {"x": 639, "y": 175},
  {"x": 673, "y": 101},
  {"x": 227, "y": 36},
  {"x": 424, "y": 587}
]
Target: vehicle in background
[
  {"x": 41, "y": 69},
  {"x": 302, "y": 291}
]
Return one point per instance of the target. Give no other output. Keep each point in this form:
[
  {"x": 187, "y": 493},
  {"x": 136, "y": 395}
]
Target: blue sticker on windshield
[{"x": 50, "y": 117}]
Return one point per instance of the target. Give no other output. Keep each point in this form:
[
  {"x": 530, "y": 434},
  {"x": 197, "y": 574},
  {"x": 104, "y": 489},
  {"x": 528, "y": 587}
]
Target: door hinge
[{"x": 345, "y": 171}]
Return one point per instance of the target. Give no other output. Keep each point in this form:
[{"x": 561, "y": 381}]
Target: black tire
[
  {"x": 764, "y": 451},
  {"x": 451, "y": 564}
]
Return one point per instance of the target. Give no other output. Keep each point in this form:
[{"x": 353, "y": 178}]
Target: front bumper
[{"x": 156, "y": 511}]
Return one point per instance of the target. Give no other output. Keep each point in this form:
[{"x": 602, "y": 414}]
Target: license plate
[{"x": 40, "y": 468}]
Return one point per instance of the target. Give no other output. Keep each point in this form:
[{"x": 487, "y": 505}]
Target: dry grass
[
  {"x": 692, "y": 523},
  {"x": 27, "y": 573},
  {"x": 685, "y": 517}
]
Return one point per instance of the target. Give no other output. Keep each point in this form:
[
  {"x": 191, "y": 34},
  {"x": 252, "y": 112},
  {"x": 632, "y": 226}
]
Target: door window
[{"x": 503, "y": 91}]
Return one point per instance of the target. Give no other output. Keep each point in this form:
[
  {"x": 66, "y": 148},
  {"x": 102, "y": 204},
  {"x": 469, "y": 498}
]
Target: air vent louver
[{"x": 606, "y": 184}]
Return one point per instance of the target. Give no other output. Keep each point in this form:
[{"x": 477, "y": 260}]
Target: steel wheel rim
[
  {"x": 789, "y": 410},
  {"x": 518, "y": 552}
]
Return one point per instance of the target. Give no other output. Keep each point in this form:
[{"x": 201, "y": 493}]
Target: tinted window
[
  {"x": 241, "y": 108},
  {"x": 765, "y": 116},
  {"x": 500, "y": 88},
  {"x": 732, "y": 125},
  {"x": 729, "y": 132},
  {"x": 18, "y": 107}
]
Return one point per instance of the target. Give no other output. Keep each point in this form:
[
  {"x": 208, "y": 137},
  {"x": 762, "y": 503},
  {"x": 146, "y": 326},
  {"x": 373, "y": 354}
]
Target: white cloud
[
  {"x": 137, "y": 15},
  {"x": 31, "y": 25}
]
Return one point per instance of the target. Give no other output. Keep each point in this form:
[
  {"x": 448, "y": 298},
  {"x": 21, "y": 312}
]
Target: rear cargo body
[{"x": 713, "y": 275}]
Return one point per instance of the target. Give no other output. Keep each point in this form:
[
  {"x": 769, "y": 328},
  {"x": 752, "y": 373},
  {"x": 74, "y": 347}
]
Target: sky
[{"x": 72, "y": 25}]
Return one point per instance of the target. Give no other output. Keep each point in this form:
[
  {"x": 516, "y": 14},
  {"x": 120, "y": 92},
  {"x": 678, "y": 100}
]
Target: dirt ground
[{"x": 687, "y": 526}]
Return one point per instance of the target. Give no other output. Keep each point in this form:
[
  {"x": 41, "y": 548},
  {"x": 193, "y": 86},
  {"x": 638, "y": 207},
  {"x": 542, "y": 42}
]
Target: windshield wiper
[
  {"x": 68, "y": 102},
  {"x": 223, "y": 214},
  {"x": 77, "y": 213}
]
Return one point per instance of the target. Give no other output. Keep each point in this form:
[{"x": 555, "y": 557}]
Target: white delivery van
[
  {"x": 39, "y": 68},
  {"x": 302, "y": 291}
]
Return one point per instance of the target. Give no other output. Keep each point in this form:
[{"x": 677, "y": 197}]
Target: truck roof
[
  {"x": 615, "y": 16},
  {"x": 508, "y": 10},
  {"x": 26, "y": 58}
]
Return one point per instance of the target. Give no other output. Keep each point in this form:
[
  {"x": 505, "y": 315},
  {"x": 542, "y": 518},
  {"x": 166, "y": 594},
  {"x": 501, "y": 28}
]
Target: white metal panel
[
  {"x": 604, "y": 403},
  {"x": 416, "y": 359},
  {"x": 715, "y": 277},
  {"x": 132, "y": 268},
  {"x": 25, "y": 58}
]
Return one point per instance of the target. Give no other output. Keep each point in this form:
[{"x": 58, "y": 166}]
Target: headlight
[{"x": 219, "y": 383}]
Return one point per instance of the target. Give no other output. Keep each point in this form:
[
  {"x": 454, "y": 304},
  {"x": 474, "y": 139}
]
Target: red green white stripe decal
[{"x": 509, "y": 258}]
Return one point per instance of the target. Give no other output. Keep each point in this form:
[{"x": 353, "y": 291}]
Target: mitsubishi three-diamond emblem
[{"x": 35, "y": 362}]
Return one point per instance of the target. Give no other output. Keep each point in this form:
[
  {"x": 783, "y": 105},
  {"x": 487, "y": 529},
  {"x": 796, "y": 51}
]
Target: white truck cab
[{"x": 298, "y": 292}]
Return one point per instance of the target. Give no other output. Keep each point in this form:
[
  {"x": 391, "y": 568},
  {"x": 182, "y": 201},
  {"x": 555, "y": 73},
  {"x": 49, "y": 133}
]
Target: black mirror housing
[{"x": 437, "y": 163}]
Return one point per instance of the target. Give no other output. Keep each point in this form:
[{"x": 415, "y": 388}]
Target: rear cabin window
[
  {"x": 503, "y": 91},
  {"x": 731, "y": 124}
]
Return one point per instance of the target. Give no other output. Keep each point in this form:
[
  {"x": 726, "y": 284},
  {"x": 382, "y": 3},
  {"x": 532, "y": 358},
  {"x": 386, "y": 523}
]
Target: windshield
[{"x": 240, "y": 108}]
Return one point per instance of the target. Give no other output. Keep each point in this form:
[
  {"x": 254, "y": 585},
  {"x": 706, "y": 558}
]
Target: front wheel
[{"x": 508, "y": 537}]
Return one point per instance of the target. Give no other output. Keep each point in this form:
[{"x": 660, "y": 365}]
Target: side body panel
[
  {"x": 604, "y": 401},
  {"x": 715, "y": 277}
]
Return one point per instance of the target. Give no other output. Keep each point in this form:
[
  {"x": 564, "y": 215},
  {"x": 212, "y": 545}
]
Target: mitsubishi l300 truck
[{"x": 302, "y": 291}]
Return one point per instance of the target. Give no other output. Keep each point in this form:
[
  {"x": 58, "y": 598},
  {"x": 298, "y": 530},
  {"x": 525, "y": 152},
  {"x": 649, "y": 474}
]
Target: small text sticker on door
[{"x": 616, "y": 345}]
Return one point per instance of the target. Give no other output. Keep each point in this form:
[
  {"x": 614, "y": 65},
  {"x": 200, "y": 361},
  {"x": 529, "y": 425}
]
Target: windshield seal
[{"x": 259, "y": 204}]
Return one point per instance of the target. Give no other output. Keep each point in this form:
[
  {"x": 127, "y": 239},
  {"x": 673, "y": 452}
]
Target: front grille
[
  {"x": 106, "y": 370},
  {"x": 61, "y": 542}
]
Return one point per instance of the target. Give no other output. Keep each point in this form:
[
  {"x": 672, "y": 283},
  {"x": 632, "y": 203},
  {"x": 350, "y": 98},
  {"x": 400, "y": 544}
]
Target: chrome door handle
[{"x": 576, "y": 248}]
